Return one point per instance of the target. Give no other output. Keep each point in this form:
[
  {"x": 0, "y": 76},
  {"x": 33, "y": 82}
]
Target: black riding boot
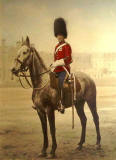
[{"x": 61, "y": 108}]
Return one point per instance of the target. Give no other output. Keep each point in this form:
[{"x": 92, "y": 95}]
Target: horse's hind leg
[
  {"x": 92, "y": 105},
  {"x": 43, "y": 119},
  {"x": 80, "y": 110}
]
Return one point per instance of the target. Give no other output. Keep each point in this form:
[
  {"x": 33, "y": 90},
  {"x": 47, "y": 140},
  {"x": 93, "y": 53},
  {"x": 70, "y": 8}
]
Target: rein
[
  {"x": 25, "y": 76},
  {"x": 22, "y": 75},
  {"x": 30, "y": 85},
  {"x": 26, "y": 81}
]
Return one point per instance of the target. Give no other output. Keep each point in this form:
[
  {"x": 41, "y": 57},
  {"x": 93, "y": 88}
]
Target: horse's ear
[
  {"x": 22, "y": 40},
  {"x": 27, "y": 41}
]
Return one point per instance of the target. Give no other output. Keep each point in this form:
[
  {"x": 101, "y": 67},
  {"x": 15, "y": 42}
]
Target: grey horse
[{"x": 45, "y": 98}]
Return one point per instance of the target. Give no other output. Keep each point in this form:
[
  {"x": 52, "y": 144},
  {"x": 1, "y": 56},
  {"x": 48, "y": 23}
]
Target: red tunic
[{"x": 63, "y": 53}]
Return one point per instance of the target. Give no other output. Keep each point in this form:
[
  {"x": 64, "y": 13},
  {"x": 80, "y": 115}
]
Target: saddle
[
  {"x": 71, "y": 86},
  {"x": 53, "y": 80}
]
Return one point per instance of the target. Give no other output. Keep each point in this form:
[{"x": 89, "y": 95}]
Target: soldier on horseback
[
  {"x": 45, "y": 98},
  {"x": 62, "y": 56}
]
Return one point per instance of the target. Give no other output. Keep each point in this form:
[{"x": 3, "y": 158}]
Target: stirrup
[{"x": 61, "y": 107}]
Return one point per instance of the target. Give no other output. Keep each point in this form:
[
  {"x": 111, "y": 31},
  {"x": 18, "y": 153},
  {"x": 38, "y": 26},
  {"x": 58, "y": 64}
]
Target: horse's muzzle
[{"x": 14, "y": 71}]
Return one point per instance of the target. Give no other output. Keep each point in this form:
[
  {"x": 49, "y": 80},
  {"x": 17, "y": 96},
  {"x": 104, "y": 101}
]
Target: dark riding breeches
[{"x": 61, "y": 77}]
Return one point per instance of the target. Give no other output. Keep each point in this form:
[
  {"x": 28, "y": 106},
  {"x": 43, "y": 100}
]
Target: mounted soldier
[
  {"x": 62, "y": 56},
  {"x": 45, "y": 98}
]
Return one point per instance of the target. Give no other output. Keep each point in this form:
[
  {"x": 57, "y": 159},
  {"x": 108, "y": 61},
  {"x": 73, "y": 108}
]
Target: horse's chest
[
  {"x": 40, "y": 99},
  {"x": 36, "y": 98}
]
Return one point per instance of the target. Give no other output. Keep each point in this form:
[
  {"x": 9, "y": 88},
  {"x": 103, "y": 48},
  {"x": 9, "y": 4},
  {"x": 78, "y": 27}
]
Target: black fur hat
[{"x": 60, "y": 27}]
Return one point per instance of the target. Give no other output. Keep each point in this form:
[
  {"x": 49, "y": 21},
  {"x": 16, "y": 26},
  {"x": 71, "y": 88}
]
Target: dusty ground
[{"x": 21, "y": 136}]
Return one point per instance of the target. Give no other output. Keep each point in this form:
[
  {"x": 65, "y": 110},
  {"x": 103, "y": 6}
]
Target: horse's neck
[{"x": 36, "y": 69}]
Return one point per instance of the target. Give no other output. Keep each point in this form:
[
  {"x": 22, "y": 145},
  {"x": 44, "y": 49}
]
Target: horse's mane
[{"x": 39, "y": 57}]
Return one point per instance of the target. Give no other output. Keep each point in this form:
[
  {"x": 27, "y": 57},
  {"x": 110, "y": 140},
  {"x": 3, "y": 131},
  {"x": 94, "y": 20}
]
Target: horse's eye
[{"x": 24, "y": 52}]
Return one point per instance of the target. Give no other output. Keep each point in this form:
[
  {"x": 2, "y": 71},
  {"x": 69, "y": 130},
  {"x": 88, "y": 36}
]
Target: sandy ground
[{"x": 21, "y": 135}]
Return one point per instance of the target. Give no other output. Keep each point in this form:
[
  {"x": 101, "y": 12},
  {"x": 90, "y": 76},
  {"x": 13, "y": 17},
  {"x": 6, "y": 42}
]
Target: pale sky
[{"x": 91, "y": 24}]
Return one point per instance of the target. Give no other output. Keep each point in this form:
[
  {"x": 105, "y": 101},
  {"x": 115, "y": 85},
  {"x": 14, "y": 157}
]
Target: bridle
[{"x": 23, "y": 71}]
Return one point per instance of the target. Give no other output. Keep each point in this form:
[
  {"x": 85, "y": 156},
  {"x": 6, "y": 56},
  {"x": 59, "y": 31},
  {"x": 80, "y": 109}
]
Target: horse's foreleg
[
  {"x": 51, "y": 118},
  {"x": 43, "y": 119},
  {"x": 80, "y": 110}
]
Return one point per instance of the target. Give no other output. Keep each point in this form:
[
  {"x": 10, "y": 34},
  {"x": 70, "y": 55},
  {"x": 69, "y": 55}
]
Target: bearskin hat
[{"x": 60, "y": 27}]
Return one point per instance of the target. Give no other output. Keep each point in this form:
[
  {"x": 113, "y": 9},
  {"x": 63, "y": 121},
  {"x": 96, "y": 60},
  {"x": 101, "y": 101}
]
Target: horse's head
[{"x": 23, "y": 59}]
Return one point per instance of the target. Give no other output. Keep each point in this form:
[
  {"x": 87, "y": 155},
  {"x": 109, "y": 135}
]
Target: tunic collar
[{"x": 61, "y": 42}]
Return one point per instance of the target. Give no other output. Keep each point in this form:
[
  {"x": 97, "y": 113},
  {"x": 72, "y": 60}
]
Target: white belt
[{"x": 60, "y": 47}]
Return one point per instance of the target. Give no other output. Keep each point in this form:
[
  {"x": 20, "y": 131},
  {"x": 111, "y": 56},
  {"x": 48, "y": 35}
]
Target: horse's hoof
[
  {"x": 51, "y": 156},
  {"x": 62, "y": 111},
  {"x": 98, "y": 146},
  {"x": 79, "y": 147},
  {"x": 42, "y": 155},
  {"x": 34, "y": 107}
]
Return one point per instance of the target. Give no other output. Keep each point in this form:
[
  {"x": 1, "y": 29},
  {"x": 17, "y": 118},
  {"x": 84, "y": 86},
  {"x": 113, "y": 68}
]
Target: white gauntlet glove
[{"x": 57, "y": 63}]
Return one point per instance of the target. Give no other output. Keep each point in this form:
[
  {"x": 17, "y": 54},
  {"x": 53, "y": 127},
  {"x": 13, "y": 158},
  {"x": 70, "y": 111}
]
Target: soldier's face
[{"x": 60, "y": 38}]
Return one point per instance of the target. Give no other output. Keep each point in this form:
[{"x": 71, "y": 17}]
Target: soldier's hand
[{"x": 52, "y": 69}]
